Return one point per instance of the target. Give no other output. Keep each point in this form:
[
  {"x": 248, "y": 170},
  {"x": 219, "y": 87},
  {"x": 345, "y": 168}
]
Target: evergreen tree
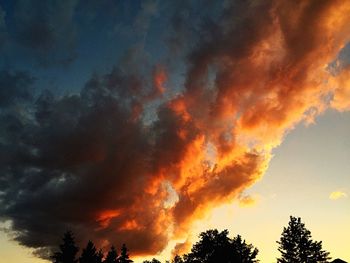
[
  {"x": 68, "y": 250},
  {"x": 124, "y": 256},
  {"x": 90, "y": 254},
  {"x": 296, "y": 245},
  {"x": 112, "y": 256}
]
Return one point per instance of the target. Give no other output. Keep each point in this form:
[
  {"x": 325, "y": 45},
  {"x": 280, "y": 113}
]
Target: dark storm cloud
[
  {"x": 77, "y": 160},
  {"x": 181, "y": 27},
  {"x": 187, "y": 21},
  {"x": 14, "y": 87}
]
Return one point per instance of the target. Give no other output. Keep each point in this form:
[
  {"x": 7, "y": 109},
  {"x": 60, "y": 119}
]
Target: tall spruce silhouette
[
  {"x": 68, "y": 250},
  {"x": 124, "y": 256},
  {"x": 296, "y": 245},
  {"x": 112, "y": 256},
  {"x": 215, "y": 246},
  {"x": 90, "y": 254}
]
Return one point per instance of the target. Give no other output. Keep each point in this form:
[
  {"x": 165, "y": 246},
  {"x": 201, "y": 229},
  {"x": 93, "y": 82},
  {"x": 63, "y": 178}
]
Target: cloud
[
  {"x": 92, "y": 163},
  {"x": 159, "y": 78},
  {"x": 15, "y": 88},
  {"x": 65, "y": 146},
  {"x": 337, "y": 195},
  {"x": 248, "y": 200},
  {"x": 181, "y": 248},
  {"x": 341, "y": 96}
]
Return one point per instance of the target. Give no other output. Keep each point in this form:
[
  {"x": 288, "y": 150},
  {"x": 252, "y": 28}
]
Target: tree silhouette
[
  {"x": 242, "y": 251},
  {"x": 99, "y": 256},
  {"x": 124, "y": 256},
  {"x": 90, "y": 255},
  {"x": 68, "y": 250},
  {"x": 296, "y": 245},
  {"x": 152, "y": 261},
  {"x": 215, "y": 246},
  {"x": 112, "y": 256},
  {"x": 177, "y": 259}
]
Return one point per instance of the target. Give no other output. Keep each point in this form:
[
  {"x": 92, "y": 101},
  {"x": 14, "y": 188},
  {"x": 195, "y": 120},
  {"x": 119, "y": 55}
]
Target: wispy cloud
[
  {"x": 249, "y": 200},
  {"x": 335, "y": 195}
]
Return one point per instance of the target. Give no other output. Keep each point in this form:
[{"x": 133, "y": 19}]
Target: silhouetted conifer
[
  {"x": 296, "y": 245},
  {"x": 90, "y": 254},
  {"x": 112, "y": 256},
  {"x": 124, "y": 256},
  {"x": 68, "y": 250}
]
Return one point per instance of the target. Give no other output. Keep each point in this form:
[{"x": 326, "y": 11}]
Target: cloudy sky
[{"x": 146, "y": 122}]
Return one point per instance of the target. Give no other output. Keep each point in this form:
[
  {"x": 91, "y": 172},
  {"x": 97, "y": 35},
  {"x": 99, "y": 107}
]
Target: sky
[{"x": 147, "y": 122}]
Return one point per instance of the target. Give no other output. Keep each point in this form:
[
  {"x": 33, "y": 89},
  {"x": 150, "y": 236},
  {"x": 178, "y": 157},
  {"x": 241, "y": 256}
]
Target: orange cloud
[
  {"x": 105, "y": 217},
  {"x": 130, "y": 225},
  {"x": 181, "y": 248},
  {"x": 159, "y": 78},
  {"x": 341, "y": 96},
  {"x": 267, "y": 79},
  {"x": 248, "y": 201}
]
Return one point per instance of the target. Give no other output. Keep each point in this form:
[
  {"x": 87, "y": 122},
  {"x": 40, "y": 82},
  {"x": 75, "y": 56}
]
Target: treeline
[
  {"x": 295, "y": 246},
  {"x": 68, "y": 253}
]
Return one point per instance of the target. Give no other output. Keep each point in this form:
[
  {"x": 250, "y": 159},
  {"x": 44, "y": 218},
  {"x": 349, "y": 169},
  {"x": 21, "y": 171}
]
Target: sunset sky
[{"x": 147, "y": 122}]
